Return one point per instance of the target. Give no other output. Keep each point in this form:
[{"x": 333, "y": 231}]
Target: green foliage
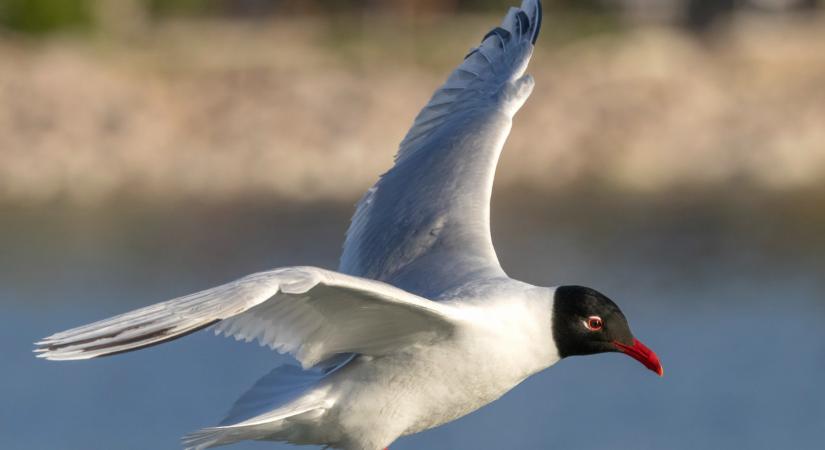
[
  {"x": 162, "y": 8},
  {"x": 552, "y": 5},
  {"x": 43, "y": 16}
]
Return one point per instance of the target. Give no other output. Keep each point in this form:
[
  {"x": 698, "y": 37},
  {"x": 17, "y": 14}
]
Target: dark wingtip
[
  {"x": 538, "y": 21},
  {"x": 502, "y": 34},
  {"x": 51, "y": 350},
  {"x": 523, "y": 22}
]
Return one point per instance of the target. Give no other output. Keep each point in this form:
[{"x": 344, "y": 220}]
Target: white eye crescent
[{"x": 593, "y": 323}]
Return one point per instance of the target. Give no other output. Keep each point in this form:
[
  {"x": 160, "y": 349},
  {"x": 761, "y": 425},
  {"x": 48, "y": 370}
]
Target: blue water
[{"x": 736, "y": 320}]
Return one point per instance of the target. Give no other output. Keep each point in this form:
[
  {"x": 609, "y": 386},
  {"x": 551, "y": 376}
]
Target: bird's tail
[{"x": 276, "y": 408}]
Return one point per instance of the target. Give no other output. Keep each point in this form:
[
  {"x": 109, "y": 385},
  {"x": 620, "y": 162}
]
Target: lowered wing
[{"x": 310, "y": 313}]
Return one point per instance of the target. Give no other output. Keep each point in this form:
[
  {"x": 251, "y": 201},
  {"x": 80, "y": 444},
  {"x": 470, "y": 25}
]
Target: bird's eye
[{"x": 594, "y": 323}]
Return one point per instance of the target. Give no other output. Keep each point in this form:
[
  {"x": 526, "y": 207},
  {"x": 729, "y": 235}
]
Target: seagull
[{"x": 420, "y": 325}]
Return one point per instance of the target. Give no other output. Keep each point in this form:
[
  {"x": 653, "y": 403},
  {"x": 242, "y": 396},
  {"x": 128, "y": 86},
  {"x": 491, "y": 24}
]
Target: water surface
[{"x": 731, "y": 301}]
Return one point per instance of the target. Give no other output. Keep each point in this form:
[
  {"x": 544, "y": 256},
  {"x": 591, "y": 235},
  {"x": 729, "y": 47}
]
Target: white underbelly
[{"x": 380, "y": 399}]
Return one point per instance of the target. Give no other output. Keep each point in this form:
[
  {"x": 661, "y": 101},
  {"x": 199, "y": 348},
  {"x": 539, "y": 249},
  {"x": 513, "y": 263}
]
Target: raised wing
[
  {"x": 308, "y": 312},
  {"x": 425, "y": 224}
]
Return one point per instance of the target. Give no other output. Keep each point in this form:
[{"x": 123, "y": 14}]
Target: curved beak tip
[{"x": 643, "y": 354}]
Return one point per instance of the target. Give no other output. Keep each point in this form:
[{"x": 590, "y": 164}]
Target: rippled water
[{"x": 732, "y": 302}]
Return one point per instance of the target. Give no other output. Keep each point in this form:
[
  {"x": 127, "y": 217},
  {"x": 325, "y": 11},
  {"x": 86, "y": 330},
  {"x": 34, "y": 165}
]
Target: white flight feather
[
  {"x": 424, "y": 226},
  {"x": 308, "y": 312}
]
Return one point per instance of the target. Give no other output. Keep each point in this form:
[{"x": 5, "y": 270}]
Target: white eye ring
[{"x": 593, "y": 323}]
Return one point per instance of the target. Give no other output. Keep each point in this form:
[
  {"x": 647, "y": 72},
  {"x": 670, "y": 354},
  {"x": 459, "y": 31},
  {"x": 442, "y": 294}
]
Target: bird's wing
[
  {"x": 425, "y": 225},
  {"x": 308, "y": 312}
]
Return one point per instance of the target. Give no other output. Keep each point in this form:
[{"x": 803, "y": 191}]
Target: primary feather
[
  {"x": 308, "y": 312},
  {"x": 424, "y": 226}
]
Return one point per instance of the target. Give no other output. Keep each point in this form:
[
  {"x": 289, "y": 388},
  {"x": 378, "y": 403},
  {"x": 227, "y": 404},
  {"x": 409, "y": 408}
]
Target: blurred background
[{"x": 672, "y": 156}]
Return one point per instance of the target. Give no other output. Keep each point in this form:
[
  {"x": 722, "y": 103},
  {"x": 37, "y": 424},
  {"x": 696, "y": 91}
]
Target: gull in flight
[{"x": 420, "y": 325}]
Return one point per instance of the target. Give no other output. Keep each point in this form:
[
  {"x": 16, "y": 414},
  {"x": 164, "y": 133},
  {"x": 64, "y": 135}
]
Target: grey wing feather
[
  {"x": 310, "y": 313},
  {"x": 268, "y": 410},
  {"x": 279, "y": 387},
  {"x": 424, "y": 226}
]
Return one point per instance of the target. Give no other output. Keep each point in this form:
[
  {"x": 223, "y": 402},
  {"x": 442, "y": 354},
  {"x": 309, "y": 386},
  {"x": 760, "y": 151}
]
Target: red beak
[{"x": 641, "y": 353}]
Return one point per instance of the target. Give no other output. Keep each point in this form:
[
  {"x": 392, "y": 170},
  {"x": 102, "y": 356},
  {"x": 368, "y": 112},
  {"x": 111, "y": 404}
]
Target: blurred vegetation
[
  {"x": 161, "y": 8},
  {"x": 41, "y": 16},
  {"x": 45, "y": 16},
  {"x": 206, "y": 98}
]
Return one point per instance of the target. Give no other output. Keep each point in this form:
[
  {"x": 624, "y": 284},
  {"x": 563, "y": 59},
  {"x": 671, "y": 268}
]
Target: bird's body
[
  {"x": 379, "y": 399},
  {"x": 367, "y": 402},
  {"x": 420, "y": 325}
]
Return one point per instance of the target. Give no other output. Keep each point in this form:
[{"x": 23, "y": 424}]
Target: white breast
[{"x": 503, "y": 342}]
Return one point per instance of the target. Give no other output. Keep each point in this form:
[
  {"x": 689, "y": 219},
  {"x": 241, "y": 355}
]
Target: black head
[{"x": 586, "y": 322}]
